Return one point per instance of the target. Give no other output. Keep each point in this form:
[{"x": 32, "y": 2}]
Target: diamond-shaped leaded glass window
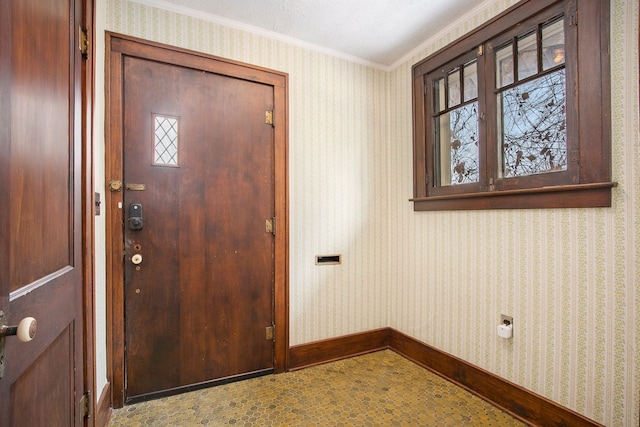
[{"x": 165, "y": 144}]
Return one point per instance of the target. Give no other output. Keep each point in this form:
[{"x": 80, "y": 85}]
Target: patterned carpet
[{"x": 377, "y": 389}]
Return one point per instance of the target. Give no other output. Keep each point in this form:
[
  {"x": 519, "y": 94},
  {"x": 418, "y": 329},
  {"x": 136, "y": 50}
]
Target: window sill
[{"x": 563, "y": 196}]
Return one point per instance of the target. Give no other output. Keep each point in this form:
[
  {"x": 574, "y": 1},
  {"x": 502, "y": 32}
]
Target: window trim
[{"x": 590, "y": 185}]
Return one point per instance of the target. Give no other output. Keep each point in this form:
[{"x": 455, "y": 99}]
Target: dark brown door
[
  {"x": 199, "y": 264},
  {"x": 41, "y": 269}
]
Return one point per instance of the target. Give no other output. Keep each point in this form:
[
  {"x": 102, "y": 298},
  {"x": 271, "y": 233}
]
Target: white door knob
[
  {"x": 25, "y": 330},
  {"x": 136, "y": 259}
]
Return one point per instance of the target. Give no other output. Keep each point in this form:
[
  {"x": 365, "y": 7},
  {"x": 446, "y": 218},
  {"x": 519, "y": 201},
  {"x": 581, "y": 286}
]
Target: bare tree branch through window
[{"x": 533, "y": 129}]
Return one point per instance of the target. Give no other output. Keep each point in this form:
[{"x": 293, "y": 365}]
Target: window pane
[
  {"x": 504, "y": 66},
  {"x": 438, "y": 95},
  {"x": 531, "y": 126},
  {"x": 553, "y": 44},
  {"x": 470, "y": 81},
  {"x": 457, "y": 146},
  {"x": 165, "y": 147},
  {"x": 454, "y": 87},
  {"x": 527, "y": 56}
]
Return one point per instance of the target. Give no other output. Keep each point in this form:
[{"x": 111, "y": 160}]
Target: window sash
[
  {"x": 587, "y": 180},
  {"x": 489, "y": 150},
  {"x": 533, "y": 25},
  {"x": 437, "y": 161}
]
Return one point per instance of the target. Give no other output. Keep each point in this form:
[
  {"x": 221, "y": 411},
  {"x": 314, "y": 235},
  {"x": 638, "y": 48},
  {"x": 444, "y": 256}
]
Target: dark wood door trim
[
  {"x": 88, "y": 206},
  {"x": 117, "y": 47}
]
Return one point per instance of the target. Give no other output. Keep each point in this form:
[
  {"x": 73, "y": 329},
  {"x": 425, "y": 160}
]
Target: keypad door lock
[{"x": 136, "y": 221}]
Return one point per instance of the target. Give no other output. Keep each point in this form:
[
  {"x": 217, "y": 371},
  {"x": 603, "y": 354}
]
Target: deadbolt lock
[{"x": 115, "y": 185}]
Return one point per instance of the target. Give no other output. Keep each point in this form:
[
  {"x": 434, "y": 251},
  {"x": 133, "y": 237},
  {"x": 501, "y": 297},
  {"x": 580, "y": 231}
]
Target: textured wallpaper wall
[{"x": 568, "y": 277}]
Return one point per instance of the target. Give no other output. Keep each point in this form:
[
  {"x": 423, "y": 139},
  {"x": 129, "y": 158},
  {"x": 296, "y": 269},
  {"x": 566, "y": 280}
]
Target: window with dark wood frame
[{"x": 516, "y": 114}]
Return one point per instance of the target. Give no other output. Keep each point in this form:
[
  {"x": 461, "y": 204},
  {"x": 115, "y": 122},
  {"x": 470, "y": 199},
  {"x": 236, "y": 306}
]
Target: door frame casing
[
  {"x": 119, "y": 46},
  {"x": 89, "y": 209}
]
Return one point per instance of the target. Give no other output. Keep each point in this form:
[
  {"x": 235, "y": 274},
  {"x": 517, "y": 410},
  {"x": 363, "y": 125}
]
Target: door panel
[
  {"x": 41, "y": 270},
  {"x": 197, "y": 305},
  {"x": 46, "y": 383}
]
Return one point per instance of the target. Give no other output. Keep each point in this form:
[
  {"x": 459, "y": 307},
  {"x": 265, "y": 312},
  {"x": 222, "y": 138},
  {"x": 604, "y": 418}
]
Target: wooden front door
[
  {"x": 41, "y": 167},
  {"x": 199, "y": 263}
]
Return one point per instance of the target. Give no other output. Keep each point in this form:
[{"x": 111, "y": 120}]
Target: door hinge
[
  {"x": 268, "y": 118},
  {"x": 3, "y": 323},
  {"x": 480, "y": 50},
  {"x": 83, "y": 42},
  {"x": 270, "y": 226},
  {"x": 271, "y": 333},
  {"x": 85, "y": 406}
]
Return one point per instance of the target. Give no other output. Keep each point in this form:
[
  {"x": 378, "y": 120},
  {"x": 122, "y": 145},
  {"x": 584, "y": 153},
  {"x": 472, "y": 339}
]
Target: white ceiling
[{"x": 376, "y": 31}]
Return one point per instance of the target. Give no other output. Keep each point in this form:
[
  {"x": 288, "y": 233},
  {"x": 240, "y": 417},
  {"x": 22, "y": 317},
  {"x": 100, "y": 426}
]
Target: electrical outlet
[{"x": 506, "y": 320}]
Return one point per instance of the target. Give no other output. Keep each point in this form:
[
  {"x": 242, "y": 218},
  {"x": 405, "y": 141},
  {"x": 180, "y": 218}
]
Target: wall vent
[{"x": 328, "y": 259}]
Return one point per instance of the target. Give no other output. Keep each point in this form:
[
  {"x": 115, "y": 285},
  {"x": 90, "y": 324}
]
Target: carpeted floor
[{"x": 377, "y": 389}]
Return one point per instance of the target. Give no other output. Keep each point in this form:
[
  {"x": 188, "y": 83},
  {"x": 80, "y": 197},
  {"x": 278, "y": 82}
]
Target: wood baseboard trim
[
  {"x": 102, "y": 414},
  {"x": 525, "y": 405},
  {"x": 319, "y": 352}
]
